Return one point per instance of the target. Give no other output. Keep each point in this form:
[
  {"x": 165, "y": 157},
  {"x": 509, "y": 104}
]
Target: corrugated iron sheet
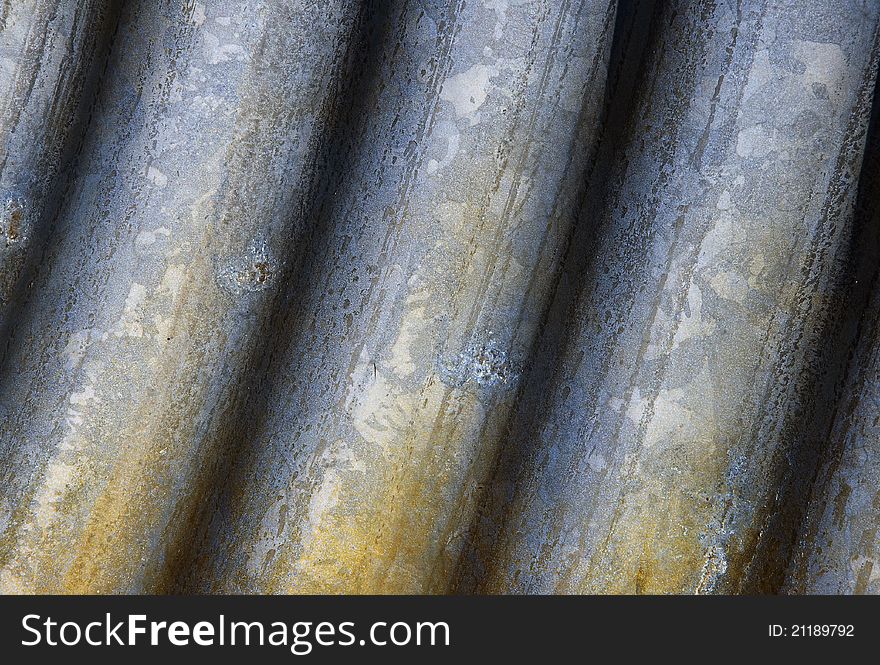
[{"x": 426, "y": 296}]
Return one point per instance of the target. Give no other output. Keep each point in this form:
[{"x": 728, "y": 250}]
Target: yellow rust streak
[{"x": 130, "y": 508}]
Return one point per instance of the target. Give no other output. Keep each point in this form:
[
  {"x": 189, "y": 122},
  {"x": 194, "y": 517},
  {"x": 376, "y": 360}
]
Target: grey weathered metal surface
[
  {"x": 680, "y": 409},
  {"x": 154, "y": 278},
  {"x": 423, "y": 296},
  {"x": 408, "y": 326}
]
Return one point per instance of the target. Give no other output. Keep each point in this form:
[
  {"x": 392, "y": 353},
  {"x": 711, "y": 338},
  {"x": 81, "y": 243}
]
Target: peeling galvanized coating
[
  {"x": 655, "y": 463},
  {"x": 423, "y": 296},
  {"x": 199, "y": 151},
  {"x": 408, "y": 329}
]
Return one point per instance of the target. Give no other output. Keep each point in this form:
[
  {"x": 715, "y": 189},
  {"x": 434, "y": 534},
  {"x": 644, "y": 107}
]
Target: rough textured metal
[
  {"x": 409, "y": 324},
  {"x": 431, "y": 296},
  {"x": 681, "y": 406},
  {"x": 155, "y": 278},
  {"x": 837, "y": 546}
]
